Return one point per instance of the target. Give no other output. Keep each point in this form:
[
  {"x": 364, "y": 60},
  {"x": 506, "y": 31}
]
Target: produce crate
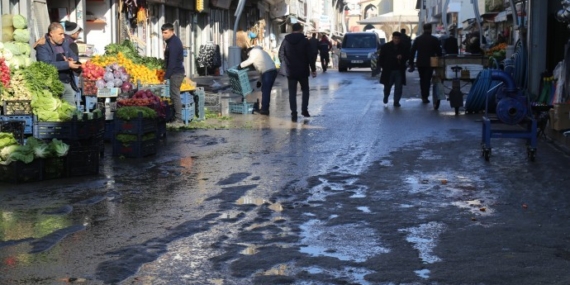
[
  {"x": 169, "y": 113},
  {"x": 161, "y": 90},
  {"x": 135, "y": 126},
  {"x": 188, "y": 113},
  {"x": 16, "y": 128},
  {"x": 17, "y": 107},
  {"x": 54, "y": 168},
  {"x": 241, "y": 108},
  {"x": 136, "y": 149},
  {"x": 28, "y": 119},
  {"x": 239, "y": 81},
  {"x": 200, "y": 109},
  {"x": 109, "y": 130},
  {"x": 161, "y": 129},
  {"x": 83, "y": 160},
  {"x": 75, "y": 129},
  {"x": 17, "y": 171},
  {"x": 108, "y": 92}
]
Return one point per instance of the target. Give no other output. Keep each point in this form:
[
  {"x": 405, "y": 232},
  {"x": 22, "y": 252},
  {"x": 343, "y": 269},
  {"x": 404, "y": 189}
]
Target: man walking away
[
  {"x": 405, "y": 40},
  {"x": 325, "y": 47},
  {"x": 426, "y": 46},
  {"x": 174, "y": 58},
  {"x": 296, "y": 59},
  {"x": 393, "y": 57},
  {"x": 314, "y": 45},
  {"x": 263, "y": 63}
]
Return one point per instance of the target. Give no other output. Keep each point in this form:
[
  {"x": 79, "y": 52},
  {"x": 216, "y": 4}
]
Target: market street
[{"x": 360, "y": 193}]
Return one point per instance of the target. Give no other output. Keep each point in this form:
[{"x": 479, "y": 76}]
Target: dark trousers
[
  {"x": 325, "y": 60},
  {"x": 267, "y": 81},
  {"x": 425, "y": 80},
  {"x": 175, "y": 82},
  {"x": 292, "y": 84},
  {"x": 396, "y": 81}
]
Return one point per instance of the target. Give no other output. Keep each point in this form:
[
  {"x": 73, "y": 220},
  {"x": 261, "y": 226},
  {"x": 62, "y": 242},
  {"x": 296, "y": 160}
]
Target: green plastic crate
[
  {"x": 241, "y": 108},
  {"x": 239, "y": 81}
]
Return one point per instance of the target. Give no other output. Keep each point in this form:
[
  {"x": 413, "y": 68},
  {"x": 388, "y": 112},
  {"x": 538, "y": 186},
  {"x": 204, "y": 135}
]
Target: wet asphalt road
[{"x": 360, "y": 193}]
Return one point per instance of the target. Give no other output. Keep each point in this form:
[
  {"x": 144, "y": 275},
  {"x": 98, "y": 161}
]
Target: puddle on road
[
  {"x": 423, "y": 273},
  {"x": 247, "y": 200},
  {"x": 364, "y": 209},
  {"x": 424, "y": 239},
  {"x": 323, "y": 240},
  {"x": 325, "y": 188},
  {"x": 352, "y": 274}
]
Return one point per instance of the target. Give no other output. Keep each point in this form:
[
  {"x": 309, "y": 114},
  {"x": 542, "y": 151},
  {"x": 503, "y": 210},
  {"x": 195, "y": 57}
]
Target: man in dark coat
[
  {"x": 314, "y": 45},
  {"x": 297, "y": 63},
  {"x": 392, "y": 60},
  {"x": 405, "y": 40},
  {"x": 53, "y": 49},
  {"x": 426, "y": 46}
]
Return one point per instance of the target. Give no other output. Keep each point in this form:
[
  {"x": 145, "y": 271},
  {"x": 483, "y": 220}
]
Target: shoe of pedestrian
[
  {"x": 305, "y": 114},
  {"x": 425, "y": 101},
  {"x": 264, "y": 112},
  {"x": 294, "y": 117},
  {"x": 397, "y": 105},
  {"x": 385, "y": 99}
]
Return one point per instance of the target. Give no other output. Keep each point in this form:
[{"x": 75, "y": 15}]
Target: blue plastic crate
[
  {"x": 28, "y": 119},
  {"x": 186, "y": 98},
  {"x": 239, "y": 81},
  {"x": 188, "y": 114},
  {"x": 241, "y": 108}
]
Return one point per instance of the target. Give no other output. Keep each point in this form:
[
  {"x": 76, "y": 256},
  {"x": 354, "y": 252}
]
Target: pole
[
  {"x": 344, "y": 18},
  {"x": 234, "y": 52},
  {"x": 478, "y": 19}
]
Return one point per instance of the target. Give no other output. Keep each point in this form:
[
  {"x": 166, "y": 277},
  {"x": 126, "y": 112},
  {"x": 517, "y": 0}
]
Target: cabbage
[
  {"x": 45, "y": 103},
  {"x": 22, "y": 153},
  {"x": 7, "y": 150},
  {"x": 7, "y": 139},
  {"x": 13, "y": 47},
  {"x": 118, "y": 82},
  {"x": 109, "y": 76},
  {"x": 7, "y": 54},
  {"x": 7, "y": 21},
  {"x": 24, "y": 48},
  {"x": 58, "y": 148},
  {"x": 100, "y": 84},
  {"x": 110, "y": 84},
  {"x": 19, "y": 22},
  {"x": 22, "y": 35},
  {"x": 7, "y": 34},
  {"x": 65, "y": 111}
]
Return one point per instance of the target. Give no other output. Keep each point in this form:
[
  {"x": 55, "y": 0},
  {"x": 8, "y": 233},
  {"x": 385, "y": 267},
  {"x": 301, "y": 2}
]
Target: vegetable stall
[{"x": 124, "y": 100}]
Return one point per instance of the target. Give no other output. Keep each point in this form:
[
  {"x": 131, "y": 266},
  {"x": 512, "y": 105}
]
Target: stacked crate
[
  {"x": 239, "y": 82},
  {"x": 143, "y": 131},
  {"x": 85, "y": 139},
  {"x": 188, "y": 107}
]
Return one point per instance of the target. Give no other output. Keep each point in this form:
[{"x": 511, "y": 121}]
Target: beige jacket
[{"x": 260, "y": 60}]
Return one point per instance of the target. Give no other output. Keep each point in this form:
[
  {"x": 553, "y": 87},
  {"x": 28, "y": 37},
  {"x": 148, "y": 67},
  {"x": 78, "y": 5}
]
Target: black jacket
[
  {"x": 296, "y": 56},
  {"x": 314, "y": 45},
  {"x": 174, "y": 57},
  {"x": 389, "y": 62},
  {"x": 427, "y": 46}
]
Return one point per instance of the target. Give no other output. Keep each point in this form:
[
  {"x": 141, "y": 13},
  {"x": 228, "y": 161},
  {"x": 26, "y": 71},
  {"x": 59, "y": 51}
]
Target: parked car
[{"x": 357, "y": 50}]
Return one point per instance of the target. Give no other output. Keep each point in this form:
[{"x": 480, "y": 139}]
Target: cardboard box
[{"x": 560, "y": 117}]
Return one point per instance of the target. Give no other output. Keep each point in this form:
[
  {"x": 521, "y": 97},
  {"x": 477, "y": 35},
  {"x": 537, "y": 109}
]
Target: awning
[{"x": 391, "y": 18}]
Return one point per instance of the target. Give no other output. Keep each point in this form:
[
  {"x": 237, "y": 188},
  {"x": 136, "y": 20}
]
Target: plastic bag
[{"x": 559, "y": 74}]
